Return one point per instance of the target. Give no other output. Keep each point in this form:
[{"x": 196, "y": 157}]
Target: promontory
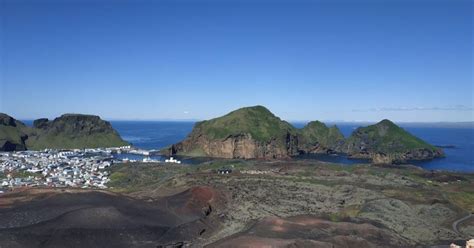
[
  {"x": 256, "y": 133},
  {"x": 387, "y": 143},
  {"x": 69, "y": 131}
]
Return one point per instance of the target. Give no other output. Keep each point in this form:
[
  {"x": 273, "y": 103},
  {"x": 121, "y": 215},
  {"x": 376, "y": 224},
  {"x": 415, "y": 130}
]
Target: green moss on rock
[
  {"x": 386, "y": 142},
  {"x": 257, "y": 121},
  {"x": 316, "y": 135},
  {"x": 69, "y": 131},
  {"x": 13, "y": 134}
]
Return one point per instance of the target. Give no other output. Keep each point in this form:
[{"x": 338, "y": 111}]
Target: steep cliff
[
  {"x": 13, "y": 134},
  {"x": 252, "y": 132},
  {"x": 316, "y": 137},
  {"x": 386, "y": 143},
  {"x": 73, "y": 131}
]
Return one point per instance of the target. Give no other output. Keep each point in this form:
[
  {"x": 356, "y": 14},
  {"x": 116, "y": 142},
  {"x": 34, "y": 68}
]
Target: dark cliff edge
[
  {"x": 252, "y": 132},
  {"x": 69, "y": 131},
  {"x": 13, "y": 134}
]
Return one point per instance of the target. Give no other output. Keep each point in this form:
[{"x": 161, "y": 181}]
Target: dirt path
[{"x": 457, "y": 222}]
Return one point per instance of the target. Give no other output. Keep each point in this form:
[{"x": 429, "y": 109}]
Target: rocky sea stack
[
  {"x": 68, "y": 131},
  {"x": 387, "y": 143},
  {"x": 252, "y": 132},
  {"x": 255, "y": 132}
]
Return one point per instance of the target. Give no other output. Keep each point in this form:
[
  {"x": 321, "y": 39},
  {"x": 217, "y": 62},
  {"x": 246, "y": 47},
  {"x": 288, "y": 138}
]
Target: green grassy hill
[
  {"x": 384, "y": 137},
  {"x": 74, "y": 131},
  {"x": 255, "y": 132},
  {"x": 13, "y": 134},
  {"x": 257, "y": 121},
  {"x": 66, "y": 132},
  {"x": 316, "y": 133}
]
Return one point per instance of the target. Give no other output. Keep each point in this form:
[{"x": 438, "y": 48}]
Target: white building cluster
[
  {"x": 56, "y": 168},
  {"x": 172, "y": 160}
]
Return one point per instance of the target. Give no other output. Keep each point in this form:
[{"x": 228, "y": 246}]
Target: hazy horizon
[
  {"x": 407, "y": 61},
  {"x": 290, "y": 121}
]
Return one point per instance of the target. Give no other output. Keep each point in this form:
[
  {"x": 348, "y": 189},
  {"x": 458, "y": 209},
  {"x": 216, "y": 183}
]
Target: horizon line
[{"x": 291, "y": 121}]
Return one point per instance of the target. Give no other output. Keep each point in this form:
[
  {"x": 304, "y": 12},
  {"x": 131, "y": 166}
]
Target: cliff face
[
  {"x": 386, "y": 143},
  {"x": 73, "y": 131},
  {"x": 240, "y": 146},
  {"x": 255, "y": 132},
  {"x": 66, "y": 132},
  {"x": 316, "y": 137},
  {"x": 13, "y": 134},
  {"x": 252, "y": 132}
]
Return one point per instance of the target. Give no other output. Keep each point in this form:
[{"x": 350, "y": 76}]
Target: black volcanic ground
[{"x": 98, "y": 219}]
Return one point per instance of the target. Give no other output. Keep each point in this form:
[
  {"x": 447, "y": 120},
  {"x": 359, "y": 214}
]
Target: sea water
[
  {"x": 159, "y": 134},
  {"x": 459, "y": 156}
]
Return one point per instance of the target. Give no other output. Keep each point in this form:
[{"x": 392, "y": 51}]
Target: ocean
[{"x": 460, "y": 157}]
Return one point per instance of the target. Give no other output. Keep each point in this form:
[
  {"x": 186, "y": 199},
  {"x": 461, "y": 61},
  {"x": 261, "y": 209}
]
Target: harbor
[{"x": 81, "y": 168}]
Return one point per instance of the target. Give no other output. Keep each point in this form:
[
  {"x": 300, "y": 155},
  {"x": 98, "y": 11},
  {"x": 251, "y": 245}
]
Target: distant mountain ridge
[
  {"x": 255, "y": 132},
  {"x": 68, "y": 131}
]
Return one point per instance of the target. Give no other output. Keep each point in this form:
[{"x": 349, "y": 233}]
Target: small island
[{"x": 256, "y": 133}]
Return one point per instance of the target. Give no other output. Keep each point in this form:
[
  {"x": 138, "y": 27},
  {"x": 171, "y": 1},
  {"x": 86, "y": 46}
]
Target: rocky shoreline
[{"x": 256, "y": 133}]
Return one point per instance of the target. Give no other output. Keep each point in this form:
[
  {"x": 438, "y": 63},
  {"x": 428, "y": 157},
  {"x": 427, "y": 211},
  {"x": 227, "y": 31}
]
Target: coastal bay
[{"x": 159, "y": 134}]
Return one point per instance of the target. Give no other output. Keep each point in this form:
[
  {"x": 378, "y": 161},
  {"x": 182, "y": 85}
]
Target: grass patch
[
  {"x": 25, "y": 174},
  {"x": 257, "y": 121},
  {"x": 348, "y": 212},
  {"x": 386, "y": 137},
  {"x": 198, "y": 152},
  {"x": 135, "y": 177},
  {"x": 464, "y": 200}
]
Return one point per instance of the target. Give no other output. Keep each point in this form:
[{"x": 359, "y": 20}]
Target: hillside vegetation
[
  {"x": 257, "y": 121},
  {"x": 386, "y": 137},
  {"x": 255, "y": 132},
  {"x": 69, "y": 131}
]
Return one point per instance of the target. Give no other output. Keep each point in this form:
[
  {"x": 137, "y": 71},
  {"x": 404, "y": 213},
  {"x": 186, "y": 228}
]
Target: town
[{"x": 84, "y": 168}]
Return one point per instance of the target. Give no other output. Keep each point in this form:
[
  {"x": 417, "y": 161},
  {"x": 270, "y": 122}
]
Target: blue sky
[{"x": 304, "y": 60}]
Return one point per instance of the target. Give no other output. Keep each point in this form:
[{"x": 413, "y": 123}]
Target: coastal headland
[
  {"x": 255, "y": 132},
  {"x": 252, "y": 193}
]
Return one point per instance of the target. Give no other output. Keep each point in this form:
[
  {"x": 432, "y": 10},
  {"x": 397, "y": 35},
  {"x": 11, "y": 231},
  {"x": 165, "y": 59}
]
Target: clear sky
[{"x": 407, "y": 60}]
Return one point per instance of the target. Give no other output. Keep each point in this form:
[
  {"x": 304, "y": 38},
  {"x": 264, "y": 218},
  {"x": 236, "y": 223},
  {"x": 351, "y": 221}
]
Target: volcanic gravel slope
[
  {"x": 309, "y": 231},
  {"x": 98, "y": 219}
]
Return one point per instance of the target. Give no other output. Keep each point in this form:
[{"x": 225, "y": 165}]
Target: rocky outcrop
[
  {"x": 254, "y": 132},
  {"x": 246, "y": 133},
  {"x": 71, "y": 131},
  {"x": 412, "y": 155},
  {"x": 239, "y": 146},
  {"x": 41, "y": 123},
  {"x": 13, "y": 134},
  {"x": 316, "y": 137},
  {"x": 66, "y": 132},
  {"x": 386, "y": 143}
]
